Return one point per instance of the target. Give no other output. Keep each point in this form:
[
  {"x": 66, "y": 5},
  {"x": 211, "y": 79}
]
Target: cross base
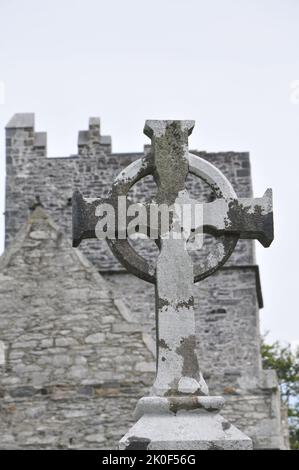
[{"x": 182, "y": 423}]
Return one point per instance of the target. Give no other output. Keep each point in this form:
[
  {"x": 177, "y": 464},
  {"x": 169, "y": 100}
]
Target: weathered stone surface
[
  {"x": 184, "y": 431},
  {"x": 48, "y": 357},
  {"x": 178, "y": 373},
  {"x": 234, "y": 289},
  {"x": 95, "y": 338}
]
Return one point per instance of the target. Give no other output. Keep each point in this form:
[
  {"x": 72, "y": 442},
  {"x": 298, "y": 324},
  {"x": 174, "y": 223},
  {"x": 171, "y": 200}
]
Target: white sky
[{"x": 228, "y": 64}]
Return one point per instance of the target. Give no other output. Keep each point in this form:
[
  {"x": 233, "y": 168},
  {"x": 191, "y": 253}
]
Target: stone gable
[{"x": 72, "y": 352}]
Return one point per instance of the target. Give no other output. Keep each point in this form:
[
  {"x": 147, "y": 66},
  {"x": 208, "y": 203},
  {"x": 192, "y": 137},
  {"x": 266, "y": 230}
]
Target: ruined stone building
[{"x": 77, "y": 332}]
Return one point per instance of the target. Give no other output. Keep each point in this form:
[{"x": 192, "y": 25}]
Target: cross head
[{"x": 228, "y": 218}]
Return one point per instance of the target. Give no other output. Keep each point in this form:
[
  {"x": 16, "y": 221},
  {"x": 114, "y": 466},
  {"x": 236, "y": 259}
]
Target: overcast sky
[{"x": 228, "y": 64}]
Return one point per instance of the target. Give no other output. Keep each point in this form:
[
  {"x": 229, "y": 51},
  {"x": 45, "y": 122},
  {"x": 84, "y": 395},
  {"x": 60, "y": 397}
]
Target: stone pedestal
[{"x": 182, "y": 423}]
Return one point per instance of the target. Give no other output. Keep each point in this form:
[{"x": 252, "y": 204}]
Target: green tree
[{"x": 286, "y": 363}]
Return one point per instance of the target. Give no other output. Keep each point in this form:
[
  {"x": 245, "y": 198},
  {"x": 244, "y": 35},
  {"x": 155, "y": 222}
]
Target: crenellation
[
  {"x": 91, "y": 142},
  {"x": 22, "y": 121},
  {"x": 41, "y": 141}
]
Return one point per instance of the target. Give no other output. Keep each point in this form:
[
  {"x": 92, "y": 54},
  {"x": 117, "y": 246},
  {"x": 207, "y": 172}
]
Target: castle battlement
[{"x": 22, "y": 127}]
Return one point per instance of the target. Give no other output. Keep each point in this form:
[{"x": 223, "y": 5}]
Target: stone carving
[{"x": 179, "y": 413}]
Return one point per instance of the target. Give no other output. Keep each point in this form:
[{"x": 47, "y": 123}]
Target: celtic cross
[{"x": 227, "y": 218}]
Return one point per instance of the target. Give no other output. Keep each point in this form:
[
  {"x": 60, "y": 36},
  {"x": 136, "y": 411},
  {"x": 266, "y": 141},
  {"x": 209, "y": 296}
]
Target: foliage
[{"x": 286, "y": 363}]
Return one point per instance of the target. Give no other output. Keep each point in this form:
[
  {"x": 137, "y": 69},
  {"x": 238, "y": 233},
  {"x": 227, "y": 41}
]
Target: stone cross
[{"x": 178, "y": 374}]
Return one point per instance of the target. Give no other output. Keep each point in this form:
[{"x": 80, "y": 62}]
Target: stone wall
[
  {"x": 227, "y": 307},
  {"x": 75, "y": 362}
]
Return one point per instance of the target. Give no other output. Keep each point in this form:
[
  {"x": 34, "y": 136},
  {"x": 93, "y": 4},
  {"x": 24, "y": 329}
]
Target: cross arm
[
  {"x": 84, "y": 218},
  {"x": 250, "y": 218}
]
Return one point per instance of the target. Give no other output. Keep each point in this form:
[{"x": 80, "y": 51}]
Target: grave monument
[{"x": 179, "y": 413}]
